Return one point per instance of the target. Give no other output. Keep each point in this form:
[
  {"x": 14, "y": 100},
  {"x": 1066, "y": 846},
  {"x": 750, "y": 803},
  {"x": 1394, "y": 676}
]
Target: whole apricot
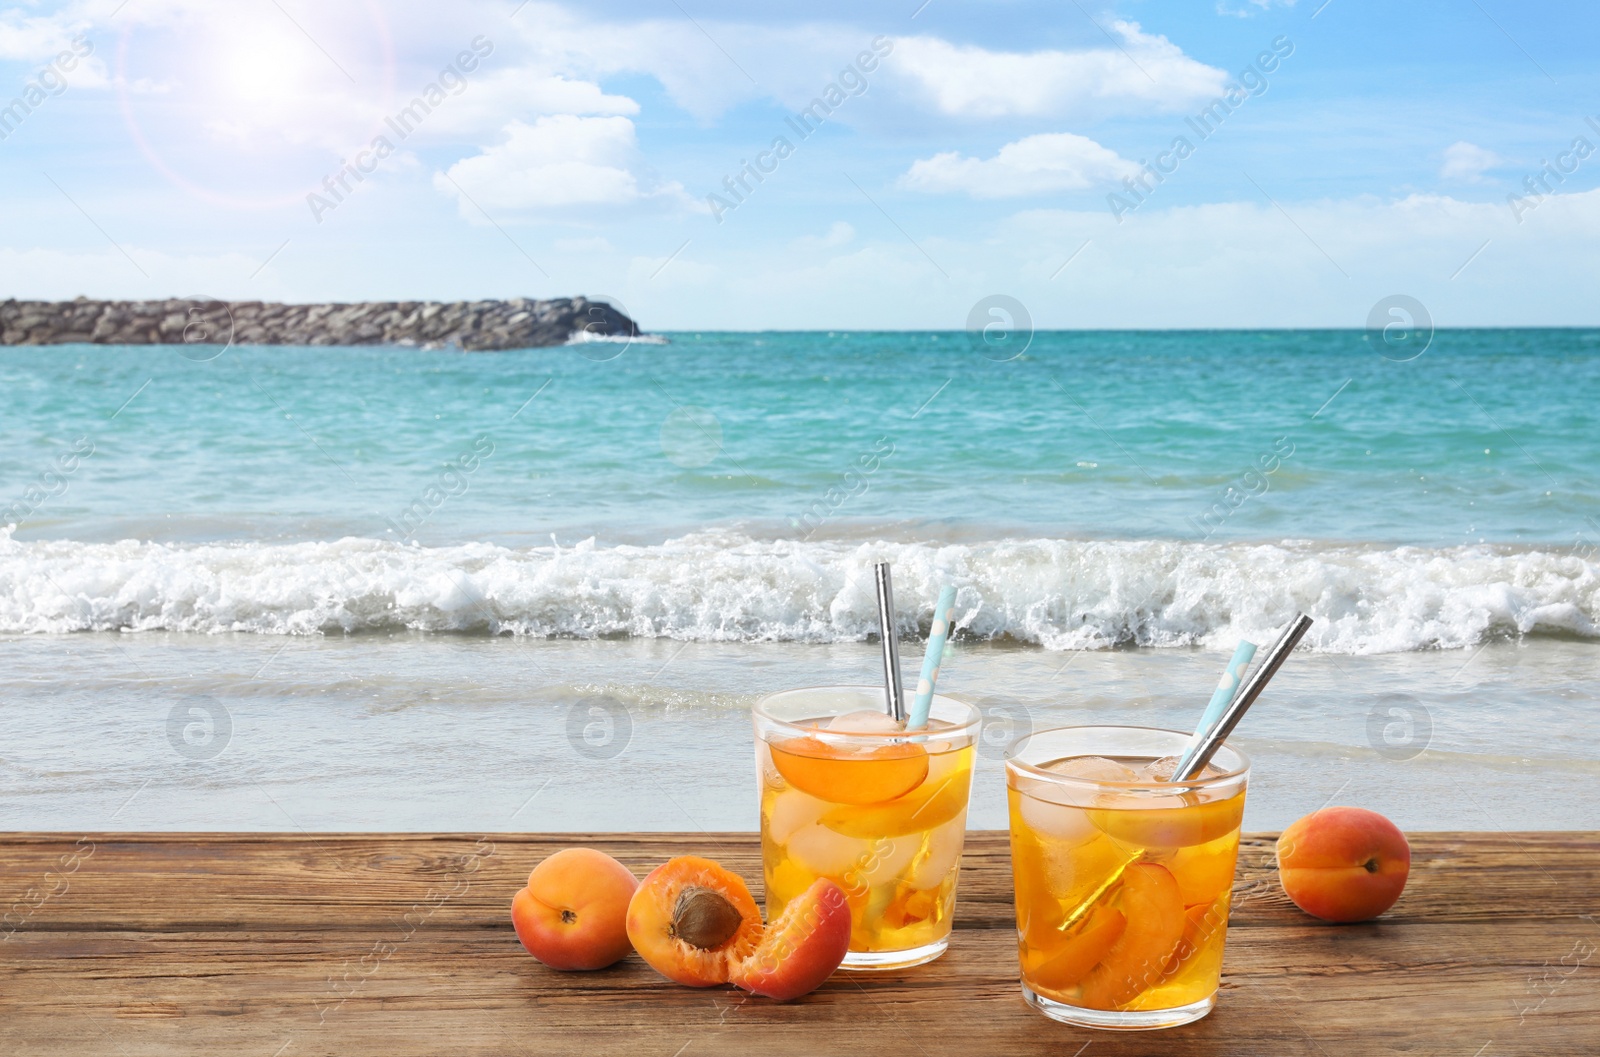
[
  {"x": 1343, "y": 863},
  {"x": 573, "y": 914}
]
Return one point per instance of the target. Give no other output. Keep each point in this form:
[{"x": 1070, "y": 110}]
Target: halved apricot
[
  {"x": 800, "y": 948},
  {"x": 1171, "y": 827},
  {"x": 931, "y": 803},
  {"x": 1069, "y": 959},
  {"x": 1148, "y": 897},
  {"x": 692, "y": 921},
  {"x": 843, "y": 776}
]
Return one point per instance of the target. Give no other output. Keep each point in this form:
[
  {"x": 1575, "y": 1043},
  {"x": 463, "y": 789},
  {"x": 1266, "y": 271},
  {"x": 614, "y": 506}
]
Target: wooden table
[{"x": 286, "y": 945}]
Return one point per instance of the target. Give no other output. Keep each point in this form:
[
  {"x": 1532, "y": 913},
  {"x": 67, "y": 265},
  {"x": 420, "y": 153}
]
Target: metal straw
[
  {"x": 1194, "y": 761},
  {"x": 891, "y": 645}
]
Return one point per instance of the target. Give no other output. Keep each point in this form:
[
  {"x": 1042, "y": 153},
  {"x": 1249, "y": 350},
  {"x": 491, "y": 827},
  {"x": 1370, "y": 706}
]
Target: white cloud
[
  {"x": 1251, "y": 7},
  {"x": 713, "y": 66},
  {"x": 494, "y": 97},
  {"x": 40, "y": 41},
  {"x": 37, "y": 39},
  {"x": 966, "y": 81},
  {"x": 1050, "y": 161},
  {"x": 839, "y": 233},
  {"x": 1228, "y": 264},
  {"x": 1468, "y": 161},
  {"x": 558, "y": 162}
]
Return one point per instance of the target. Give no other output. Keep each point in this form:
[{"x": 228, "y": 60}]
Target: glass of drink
[
  {"x": 846, "y": 794},
  {"x": 1123, "y": 880}
]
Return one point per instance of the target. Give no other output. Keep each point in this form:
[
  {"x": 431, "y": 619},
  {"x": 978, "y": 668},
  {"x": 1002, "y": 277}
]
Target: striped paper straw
[
  {"x": 1227, "y": 686},
  {"x": 937, "y": 635}
]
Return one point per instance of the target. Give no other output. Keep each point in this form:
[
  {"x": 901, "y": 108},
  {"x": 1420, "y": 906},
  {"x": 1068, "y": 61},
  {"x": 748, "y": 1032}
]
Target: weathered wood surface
[{"x": 394, "y": 945}]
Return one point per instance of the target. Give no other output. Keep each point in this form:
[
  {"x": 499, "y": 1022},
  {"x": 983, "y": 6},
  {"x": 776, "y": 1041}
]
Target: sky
[{"x": 823, "y": 165}]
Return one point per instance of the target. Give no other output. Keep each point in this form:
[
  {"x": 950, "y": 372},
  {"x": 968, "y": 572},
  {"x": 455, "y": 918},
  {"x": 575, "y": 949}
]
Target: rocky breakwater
[{"x": 470, "y": 325}]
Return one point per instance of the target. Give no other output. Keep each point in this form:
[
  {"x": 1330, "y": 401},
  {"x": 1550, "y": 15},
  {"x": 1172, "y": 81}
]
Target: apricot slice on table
[
  {"x": 692, "y": 920},
  {"x": 573, "y": 912},
  {"x": 801, "y": 947},
  {"x": 845, "y": 776},
  {"x": 1149, "y": 898},
  {"x": 1066, "y": 963}
]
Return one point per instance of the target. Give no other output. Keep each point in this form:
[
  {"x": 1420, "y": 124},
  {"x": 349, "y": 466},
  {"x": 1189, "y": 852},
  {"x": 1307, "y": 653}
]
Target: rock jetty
[{"x": 473, "y": 326}]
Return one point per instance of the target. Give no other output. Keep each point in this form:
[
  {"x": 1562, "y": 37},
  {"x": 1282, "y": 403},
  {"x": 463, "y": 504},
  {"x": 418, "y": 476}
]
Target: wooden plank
[{"x": 399, "y": 944}]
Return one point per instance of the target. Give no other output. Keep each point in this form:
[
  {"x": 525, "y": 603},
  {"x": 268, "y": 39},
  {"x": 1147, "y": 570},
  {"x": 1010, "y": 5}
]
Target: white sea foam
[
  {"x": 586, "y": 337},
  {"x": 724, "y": 586}
]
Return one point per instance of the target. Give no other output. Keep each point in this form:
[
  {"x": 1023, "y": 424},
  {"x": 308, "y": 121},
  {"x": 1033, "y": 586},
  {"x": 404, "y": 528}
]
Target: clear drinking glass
[
  {"x": 881, "y": 811},
  {"x": 1123, "y": 882}
]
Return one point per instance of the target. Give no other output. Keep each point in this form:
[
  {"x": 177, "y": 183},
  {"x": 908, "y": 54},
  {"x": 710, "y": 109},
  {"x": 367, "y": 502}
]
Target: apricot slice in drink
[
  {"x": 1171, "y": 827},
  {"x": 692, "y": 921},
  {"x": 1065, "y": 963},
  {"x": 1203, "y": 872},
  {"x": 844, "y": 776},
  {"x": 1149, "y": 898},
  {"x": 910, "y": 906},
  {"x": 1201, "y": 922},
  {"x": 932, "y": 803}
]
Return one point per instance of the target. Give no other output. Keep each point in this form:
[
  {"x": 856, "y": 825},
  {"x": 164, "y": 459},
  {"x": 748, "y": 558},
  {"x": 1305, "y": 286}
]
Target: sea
[{"x": 354, "y": 589}]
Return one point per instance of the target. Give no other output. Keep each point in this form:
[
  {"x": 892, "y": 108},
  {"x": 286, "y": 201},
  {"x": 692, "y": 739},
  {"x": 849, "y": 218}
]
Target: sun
[{"x": 267, "y": 67}]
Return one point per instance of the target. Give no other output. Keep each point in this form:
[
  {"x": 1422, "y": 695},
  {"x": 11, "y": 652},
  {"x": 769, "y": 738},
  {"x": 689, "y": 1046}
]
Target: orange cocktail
[
  {"x": 1123, "y": 880},
  {"x": 846, "y": 794}
]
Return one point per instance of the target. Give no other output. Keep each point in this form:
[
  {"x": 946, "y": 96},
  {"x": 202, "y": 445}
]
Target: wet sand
[{"x": 472, "y": 734}]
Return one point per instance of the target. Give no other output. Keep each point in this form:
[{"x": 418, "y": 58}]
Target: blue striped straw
[
  {"x": 937, "y": 634},
  {"x": 1227, "y": 686}
]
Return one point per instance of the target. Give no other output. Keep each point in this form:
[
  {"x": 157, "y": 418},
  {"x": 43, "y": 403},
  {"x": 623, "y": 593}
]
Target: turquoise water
[{"x": 1489, "y": 436}]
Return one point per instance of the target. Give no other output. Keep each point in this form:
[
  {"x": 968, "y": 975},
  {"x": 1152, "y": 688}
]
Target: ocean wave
[
  {"x": 586, "y": 337},
  {"x": 725, "y": 586}
]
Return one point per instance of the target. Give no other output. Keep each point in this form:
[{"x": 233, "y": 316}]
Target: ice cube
[
  {"x": 888, "y": 858},
  {"x": 856, "y": 861},
  {"x": 865, "y": 722},
  {"x": 1162, "y": 770},
  {"x": 940, "y": 852},
  {"x": 1073, "y": 871},
  {"x": 1093, "y": 769},
  {"x": 1159, "y": 770},
  {"x": 825, "y": 852},
  {"x": 1056, "y": 820},
  {"x": 792, "y": 809}
]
